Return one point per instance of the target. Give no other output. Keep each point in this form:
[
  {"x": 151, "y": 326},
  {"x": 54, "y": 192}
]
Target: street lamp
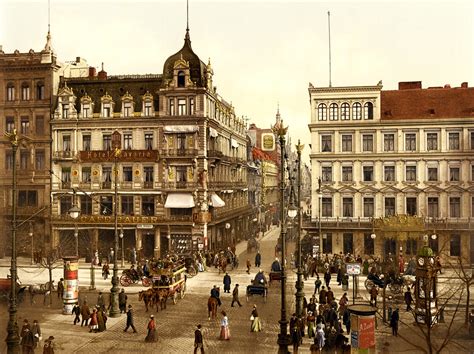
[
  {"x": 299, "y": 282},
  {"x": 114, "y": 308},
  {"x": 121, "y": 237},
  {"x": 74, "y": 213},
  {"x": 283, "y": 340},
  {"x": 30, "y": 234},
  {"x": 320, "y": 197}
]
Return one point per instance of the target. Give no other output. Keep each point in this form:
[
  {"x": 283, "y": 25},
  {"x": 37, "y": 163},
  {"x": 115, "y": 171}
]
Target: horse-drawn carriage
[
  {"x": 274, "y": 276},
  {"x": 258, "y": 289},
  {"x": 5, "y": 289},
  {"x": 172, "y": 280},
  {"x": 395, "y": 285},
  {"x": 129, "y": 277}
]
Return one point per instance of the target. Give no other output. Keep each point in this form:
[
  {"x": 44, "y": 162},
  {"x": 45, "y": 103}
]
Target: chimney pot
[
  {"x": 409, "y": 85},
  {"x": 464, "y": 84}
]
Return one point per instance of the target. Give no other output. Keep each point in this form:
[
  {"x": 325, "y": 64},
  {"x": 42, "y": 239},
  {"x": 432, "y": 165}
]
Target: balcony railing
[
  {"x": 180, "y": 217},
  {"x": 66, "y": 185},
  {"x": 179, "y": 185},
  {"x": 181, "y": 152},
  {"x": 148, "y": 185},
  {"x": 63, "y": 154},
  {"x": 106, "y": 185},
  {"x": 214, "y": 153}
]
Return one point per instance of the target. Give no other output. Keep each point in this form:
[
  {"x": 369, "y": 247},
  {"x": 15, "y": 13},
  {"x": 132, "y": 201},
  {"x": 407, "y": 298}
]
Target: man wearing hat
[
  {"x": 48, "y": 347},
  {"x": 130, "y": 320},
  {"x": 235, "y": 296},
  {"x": 122, "y": 301},
  {"x": 198, "y": 342}
]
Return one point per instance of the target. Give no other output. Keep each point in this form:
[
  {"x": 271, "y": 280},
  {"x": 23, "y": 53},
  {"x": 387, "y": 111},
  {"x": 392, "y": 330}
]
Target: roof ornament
[
  {"x": 48, "y": 47},
  {"x": 187, "y": 37}
]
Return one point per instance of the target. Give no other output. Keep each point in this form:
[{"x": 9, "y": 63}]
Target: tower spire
[
  {"x": 278, "y": 117},
  {"x": 48, "y": 47},
  {"x": 187, "y": 22}
]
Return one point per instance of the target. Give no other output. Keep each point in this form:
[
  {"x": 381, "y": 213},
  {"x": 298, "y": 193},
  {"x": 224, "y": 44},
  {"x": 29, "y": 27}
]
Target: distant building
[{"x": 395, "y": 163}]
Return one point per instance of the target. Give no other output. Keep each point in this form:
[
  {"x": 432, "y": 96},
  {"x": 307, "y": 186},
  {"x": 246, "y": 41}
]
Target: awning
[
  {"x": 179, "y": 200},
  {"x": 234, "y": 143},
  {"x": 180, "y": 129},
  {"x": 213, "y": 133},
  {"x": 216, "y": 201}
]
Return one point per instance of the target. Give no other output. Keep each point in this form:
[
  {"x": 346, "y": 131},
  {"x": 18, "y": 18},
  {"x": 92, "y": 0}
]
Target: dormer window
[
  {"x": 181, "y": 79},
  {"x": 127, "y": 109},
  {"x": 86, "y": 110},
  {"x": 107, "y": 106},
  {"x": 147, "y": 108},
  {"x": 106, "y": 110},
  {"x": 65, "y": 110}
]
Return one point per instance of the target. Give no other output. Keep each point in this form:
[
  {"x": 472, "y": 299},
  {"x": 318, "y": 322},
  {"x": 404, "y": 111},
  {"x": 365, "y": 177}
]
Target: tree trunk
[
  {"x": 468, "y": 295},
  {"x": 50, "y": 269}
]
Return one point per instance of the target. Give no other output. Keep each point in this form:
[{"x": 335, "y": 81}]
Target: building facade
[
  {"x": 398, "y": 164},
  {"x": 181, "y": 172}
]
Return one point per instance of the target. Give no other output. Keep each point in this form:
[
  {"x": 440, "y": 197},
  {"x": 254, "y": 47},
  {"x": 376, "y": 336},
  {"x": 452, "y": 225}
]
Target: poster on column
[{"x": 366, "y": 332}]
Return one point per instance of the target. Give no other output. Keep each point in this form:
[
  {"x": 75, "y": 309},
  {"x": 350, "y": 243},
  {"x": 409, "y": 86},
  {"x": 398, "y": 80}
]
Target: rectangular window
[
  {"x": 106, "y": 174},
  {"x": 86, "y": 205},
  {"x": 472, "y": 173},
  {"x": 147, "y": 108},
  {"x": 106, "y": 205},
  {"x": 433, "y": 209},
  {"x": 39, "y": 125},
  {"x": 432, "y": 174},
  {"x": 347, "y": 207},
  {"x": 86, "y": 174},
  {"x": 432, "y": 141},
  {"x": 326, "y": 207},
  {"x": 127, "y": 109},
  {"x": 368, "y": 173},
  {"x": 181, "y": 141},
  {"x": 181, "y": 173},
  {"x": 24, "y": 159},
  {"x": 86, "y": 110},
  {"x": 326, "y": 174},
  {"x": 326, "y": 143},
  {"x": 127, "y": 204},
  {"x": 127, "y": 141},
  {"x": 65, "y": 204},
  {"x": 148, "y": 205},
  {"x": 149, "y": 141},
  {"x": 472, "y": 140},
  {"x": 411, "y": 205},
  {"x": 346, "y": 143},
  {"x": 181, "y": 106},
  {"x": 86, "y": 142},
  {"x": 25, "y": 125},
  {"x": 39, "y": 160},
  {"x": 191, "y": 106},
  {"x": 148, "y": 173},
  {"x": 66, "y": 177},
  {"x": 127, "y": 174},
  {"x": 389, "y": 173},
  {"x": 368, "y": 207},
  {"x": 410, "y": 173},
  {"x": 347, "y": 173},
  {"x": 455, "y": 207},
  {"x": 455, "y": 245},
  {"x": 347, "y": 243},
  {"x": 368, "y": 244},
  {"x": 106, "y": 110},
  {"x": 171, "y": 103},
  {"x": 107, "y": 142},
  {"x": 10, "y": 124},
  {"x": 389, "y": 206},
  {"x": 389, "y": 142},
  {"x": 410, "y": 142},
  {"x": 27, "y": 198},
  {"x": 66, "y": 143},
  {"x": 368, "y": 142},
  {"x": 472, "y": 206},
  {"x": 327, "y": 243},
  {"x": 453, "y": 141},
  {"x": 10, "y": 93},
  {"x": 454, "y": 174},
  {"x": 411, "y": 246},
  {"x": 8, "y": 160}
]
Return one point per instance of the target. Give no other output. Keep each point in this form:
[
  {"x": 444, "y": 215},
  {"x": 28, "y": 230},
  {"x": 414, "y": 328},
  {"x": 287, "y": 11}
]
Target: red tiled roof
[
  {"x": 260, "y": 155},
  {"x": 431, "y": 103}
]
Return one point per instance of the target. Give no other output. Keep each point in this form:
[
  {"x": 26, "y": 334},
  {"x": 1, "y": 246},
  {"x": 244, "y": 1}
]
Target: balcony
[
  {"x": 65, "y": 185},
  {"x": 215, "y": 153},
  {"x": 181, "y": 152},
  {"x": 63, "y": 154},
  {"x": 148, "y": 185},
  {"x": 106, "y": 185},
  {"x": 179, "y": 185}
]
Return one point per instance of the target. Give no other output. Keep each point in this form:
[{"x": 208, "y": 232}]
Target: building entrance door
[
  {"x": 390, "y": 248},
  {"x": 148, "y": 245}
]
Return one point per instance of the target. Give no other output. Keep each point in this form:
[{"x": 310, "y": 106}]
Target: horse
[
  {"x": 212, "y": 308},
  {"x": 147, "y": 296},
  {"x": 43, "y": 289},
  {"x": 160, "y": 297}
]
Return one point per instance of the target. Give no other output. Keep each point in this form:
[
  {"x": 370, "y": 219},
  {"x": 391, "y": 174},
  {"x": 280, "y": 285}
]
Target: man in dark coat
[
  {"x": 235, "y": 296},
  {"x": 76, "y": 310},
  {"x": 216, "y": 294},
  {"x": 327, "y": 277},
  {"x": 86, "y": 314},
  {"x": 394, "y": 322},
  {"x": 408, "y": 298},
  {"x": 130, "y": 320},
  {"x": 60, "y": 288},
  {"x": 198, "y": 342},
  {"x": 258, "y": 259},
  {"x": 122, "y": 301},
  {"x": 27, "y": 340},
  {"x": 227, "y": 281},
  {"x": 329, "y": 296},
  {"x": 322, "y": 295}
]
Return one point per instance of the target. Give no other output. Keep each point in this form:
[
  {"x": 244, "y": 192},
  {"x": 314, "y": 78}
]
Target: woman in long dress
[
  {"x": 256, "y": 325},
  {"x": 151, "y": 336},
  {"x": 225, "y": 333},
  {"x": 93, "y": 324}
]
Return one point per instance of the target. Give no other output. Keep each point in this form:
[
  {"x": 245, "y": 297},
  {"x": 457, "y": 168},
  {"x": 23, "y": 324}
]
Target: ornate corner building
[
  {"x": 182, "y": 171},
  {"x": 398, "y": 164}
]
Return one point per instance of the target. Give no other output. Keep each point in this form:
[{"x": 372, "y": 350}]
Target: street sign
[
  {"x": 315, "y": 250},
  {"x": 353, "y": 268}
]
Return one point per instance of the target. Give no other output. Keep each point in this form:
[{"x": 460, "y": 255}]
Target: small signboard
[
  {"x": 268, "y": 142},
  {"x": 353, "y": 268},
  {"x": 355, "y": 339},
  {"x": 315, "y": 250}
]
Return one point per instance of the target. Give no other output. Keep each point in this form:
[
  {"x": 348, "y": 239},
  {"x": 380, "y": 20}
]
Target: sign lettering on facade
[
  {"x": 121, "y": 219},
  {"x": 268, "y": 142},
  {"x": 125, "y": 155}
]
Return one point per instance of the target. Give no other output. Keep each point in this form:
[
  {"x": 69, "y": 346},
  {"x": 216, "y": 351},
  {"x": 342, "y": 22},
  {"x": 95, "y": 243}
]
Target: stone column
[{"x": 157, "y": 248}]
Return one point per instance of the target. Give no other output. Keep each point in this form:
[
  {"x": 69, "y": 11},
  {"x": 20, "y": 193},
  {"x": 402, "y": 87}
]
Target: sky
[{"x": 264, "y": 53}]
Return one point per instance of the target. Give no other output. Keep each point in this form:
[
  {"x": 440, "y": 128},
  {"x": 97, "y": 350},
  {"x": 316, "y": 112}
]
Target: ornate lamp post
[
  {"x": 283, "y": 340},
  {"x": 114, "y": 308},
  {"x": 299, "y": 272},
  {"x": 320, "y": 197},
  {"x": 30, "y": 234},
  {"x": 13, "y": 340},
  {"x": 74, "y": 213},
  {"x": 122, "y": 263}
]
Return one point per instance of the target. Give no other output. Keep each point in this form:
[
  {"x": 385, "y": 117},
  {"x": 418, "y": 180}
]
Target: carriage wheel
[
  {"x": 146, "y": 282},
  {"x": 175, "y": 297},
  {"x": 192, "y": 271},
  {"x": 124, "y": 280},
  {"x": 369, "y": 284}
]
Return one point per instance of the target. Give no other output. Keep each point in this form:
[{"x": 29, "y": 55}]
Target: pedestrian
[
  {"x": 122, "y": 301},
  {"x": 36, "y": 330},
  {"x": 134, "y": 256},
  {"x": 317, "y": 284},
  {"x": 96, "y": 260},
  {"x": 27, "y": 339},
  {"x": 60, "y": 288},
  {"x": 329, "y": 296},
  {"x": 235, "y": 296},
  {"x": 258, "y": 259},
  {"x": 248, "y": 266},
  {"x": 322, "y": 295},
  {"x": 198, "y": 341},
  {"x": 111, "y": 255},
  {"x": 76, "y": 311},
  {"x": 225, "y": 332},
  {"x": 343, "y": 302},
  {"x": 255, "y": 324},
  {"x": 101, "y": 320},
  {"x": 320, "y": 338},
  {"x": 394, "y": 322},
  {"x": 295, "y": 333},
  {"x": 227, "y": 281},
  {"x": 346, "y": 319},
  {"x": 151, "y": 335},
  {"x": 311, "y": 321},
  {"x": 408, "y": 298},
  {"x": 401, "y": 264},
  {"x": 105, "y": 270},
  {"x": 26, "y": 326},
  {"x": 85, "y": 313},
  {"x": 373, "y": 296},
  {"x": 130, "y": 320},
  {"x": 48, "y": 347},
  {"x": 327, "y": 278},
  {"x": 100, "y": 300},
  {"x": 93, "y": 324}
]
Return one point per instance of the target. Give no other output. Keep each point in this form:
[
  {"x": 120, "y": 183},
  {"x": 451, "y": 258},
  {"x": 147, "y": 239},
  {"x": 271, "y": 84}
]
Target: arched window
[
  {"x": 10, "y": 92},
  {"x": 25, "y": 92},
  {"x": 322, "y": 112},
  {"x": 40, "y": 91},
  {"x": 368, "y": 110},
  {"x": 181, "y": 78},
  {"x": 357, "y": 111},
  {"x": 333, "y": 112},
  {"x": 345, "y": 113}
]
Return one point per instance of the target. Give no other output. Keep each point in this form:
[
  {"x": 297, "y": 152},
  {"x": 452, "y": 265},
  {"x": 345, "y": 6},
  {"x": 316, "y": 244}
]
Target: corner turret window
[
  {"x": 322, "y": 112},
  {"x": 357, "y": 111},
  {"x": 10, "y": 92},
  {"x": 181, "y": 79},
  {"x": 368, "y": 110}
]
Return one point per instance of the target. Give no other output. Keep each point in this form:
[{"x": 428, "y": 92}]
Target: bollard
[{"x": 92, "y": 286}]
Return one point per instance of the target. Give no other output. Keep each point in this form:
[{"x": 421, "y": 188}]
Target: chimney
[
  {"x": 447, "y": 86},
  {"x": 102, "y": 74},
  {"x": 464, "y": 85},
  {"x": 409, "y": 85},
  {"x": 92, "y": 71}
]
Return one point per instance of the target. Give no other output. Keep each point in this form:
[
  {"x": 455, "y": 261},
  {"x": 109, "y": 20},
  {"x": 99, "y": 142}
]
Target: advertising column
[
  {"x": 71, "y": 284},
  {"x": 362, "y": 328}
]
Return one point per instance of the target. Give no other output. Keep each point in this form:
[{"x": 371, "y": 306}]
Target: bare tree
[
  {"x": 49, "y": 262},
  {"x": 464, "y": 273}
]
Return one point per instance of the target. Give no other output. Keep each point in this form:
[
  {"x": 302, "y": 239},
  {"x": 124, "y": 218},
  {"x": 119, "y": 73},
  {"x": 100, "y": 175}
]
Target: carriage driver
[
  {"x": 276, "y": 266},
  {"x": 260, "y": 278},
  {"x": 215, "y": 294},
  {"x": 133, "y": 272}
]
